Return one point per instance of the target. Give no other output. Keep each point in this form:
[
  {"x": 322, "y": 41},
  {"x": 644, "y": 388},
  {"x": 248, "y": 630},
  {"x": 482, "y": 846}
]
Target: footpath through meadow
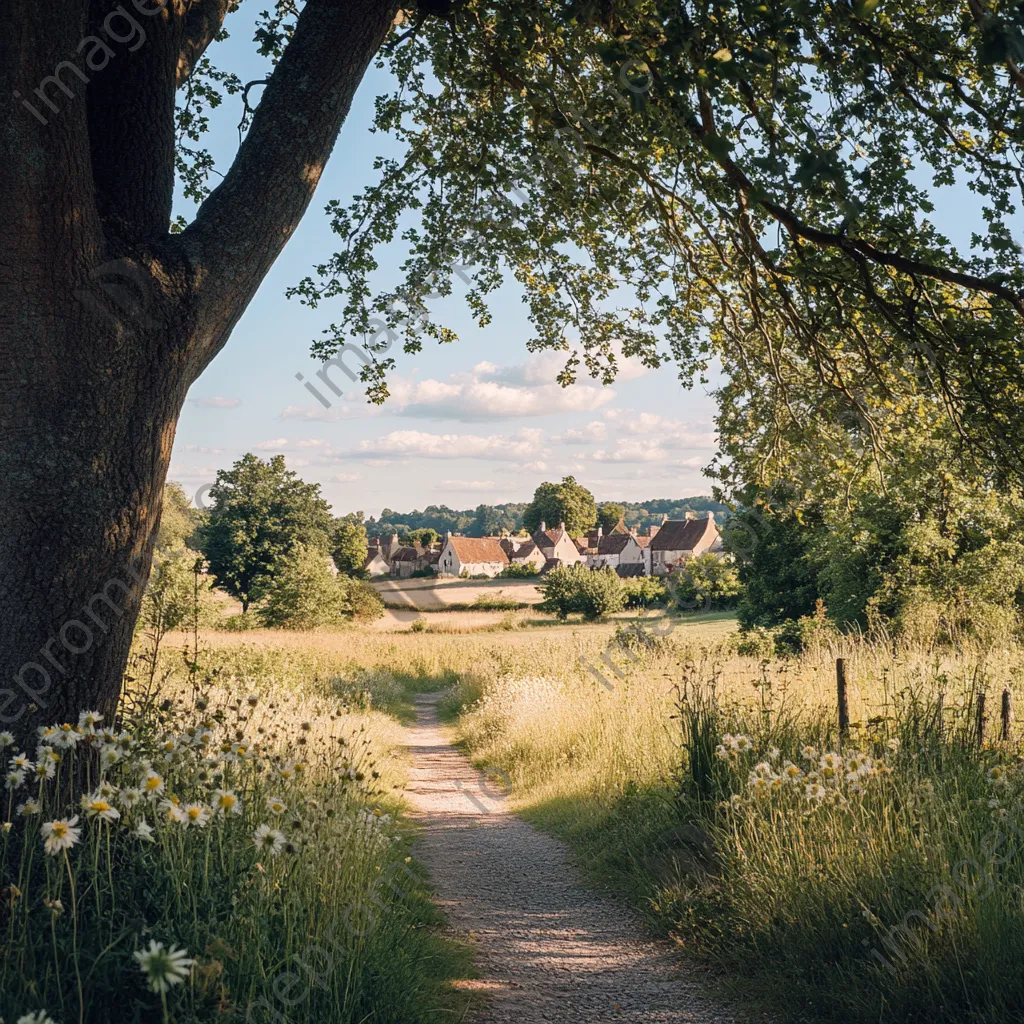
[{"x": 548, "y": 949}]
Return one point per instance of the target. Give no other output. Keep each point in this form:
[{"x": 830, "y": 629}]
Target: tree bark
[{"x": 106, "y": 318}]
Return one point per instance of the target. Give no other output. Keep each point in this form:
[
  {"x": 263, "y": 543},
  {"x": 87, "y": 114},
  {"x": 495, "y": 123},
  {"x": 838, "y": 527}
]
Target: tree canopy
[
  {"x": 568, "y": 502},
  {"x": 259, "y": 513},
  {"x": 761, "y": 183}
]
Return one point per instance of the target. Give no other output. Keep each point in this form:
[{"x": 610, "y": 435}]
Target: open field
[{"x": 438, "y": 594}]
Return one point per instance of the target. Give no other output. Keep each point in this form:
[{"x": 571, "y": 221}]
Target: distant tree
[
  {"x": 705, "y": 582},
  {"x": 304, "y": 593},
  {"x": 609, "y": 515},
  {"x": 426, "y": 536},
  {"x": 349, "y": 544},
  {"x": 179, "y": 519},
  {"x": 567, "y": 502},
  {"x": 260, "y": 512},
  {"x": 489, "y": 521},
  {"x": 589, "y": 592}
]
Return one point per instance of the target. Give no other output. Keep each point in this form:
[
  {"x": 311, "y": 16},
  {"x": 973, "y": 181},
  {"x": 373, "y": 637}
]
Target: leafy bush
[
  {"x": 705, "y": 582},
  {"x": 589, "y": 592},
  {"x": 419, "y": 625},
  {"x": 364, "y": 602},
  {"x": 178, "y": 590},
  {"x": 305, "y": 594},
  {"x": 644, "y": 591},
  {"x": 518, "y": 571},
  {"x": 497, "y": 603}
]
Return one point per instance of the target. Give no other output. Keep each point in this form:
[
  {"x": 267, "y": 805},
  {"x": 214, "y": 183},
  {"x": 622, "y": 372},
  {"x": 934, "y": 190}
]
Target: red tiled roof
[{"x": 479, "y": 549}]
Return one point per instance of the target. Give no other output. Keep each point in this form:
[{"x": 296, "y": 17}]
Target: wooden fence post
[
  {"x": 842, "y": 699},
  {"x": 981, "y": 718},
  {"x": 1006, "y": 713}
]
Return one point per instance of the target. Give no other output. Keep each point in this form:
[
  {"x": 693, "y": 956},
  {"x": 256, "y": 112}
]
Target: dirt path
[{"x": 548, "y": 949}]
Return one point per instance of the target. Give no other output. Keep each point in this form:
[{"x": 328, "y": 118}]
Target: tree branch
[
  {"x": 203, "y": 21},
  {"x": 245, "y": 222}
]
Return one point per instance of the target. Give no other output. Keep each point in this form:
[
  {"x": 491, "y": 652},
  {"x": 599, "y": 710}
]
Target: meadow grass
[
  {"x": 880, "y": 878},
  {"x": 245, "y": 814}
]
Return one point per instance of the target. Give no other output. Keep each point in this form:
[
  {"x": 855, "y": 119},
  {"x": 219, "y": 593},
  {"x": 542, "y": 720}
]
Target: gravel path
[{"x": 548, "y": 949}]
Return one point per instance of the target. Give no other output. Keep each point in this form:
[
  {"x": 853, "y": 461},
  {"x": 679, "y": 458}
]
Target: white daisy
[
  {"x": 163, "y": 967},
  {"x": 144, "y": 832},
  {"x": 268, "y": 840},
  {"x": 226, "y": 802},
  {"x": 60, "y": 835},
  {"x": 97, "y": 807},
  {"x": 196, "y": 814},
  {"x": 276, "y": 805},
  {"x": 88, "y": 720}
]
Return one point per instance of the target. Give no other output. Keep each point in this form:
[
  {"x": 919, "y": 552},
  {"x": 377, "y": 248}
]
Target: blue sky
[{"x": 481, "y": 420}]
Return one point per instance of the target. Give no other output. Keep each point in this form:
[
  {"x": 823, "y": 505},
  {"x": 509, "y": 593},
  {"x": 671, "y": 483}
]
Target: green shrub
[
  {"x": 520, "y": 572},
  {"x": 705, "y": 582},
  {"x": 644, "y": 591},
  {"x": 178, "y": 590},
  {"x": 419, "y": 625},
  {"x": 589, "y": 592},
  {"x": 365, "y": 603},
  {"x": 305, "y": 594}
]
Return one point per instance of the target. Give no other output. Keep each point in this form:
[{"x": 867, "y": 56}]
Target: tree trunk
[
  {"x": 106, "y": 317},
  {"x": 87, "y": 422}
]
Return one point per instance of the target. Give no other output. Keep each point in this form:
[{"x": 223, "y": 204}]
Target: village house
[
  {"x": 475, "y": 556},
  {"x": 617, "y": 547},
  {"x": 414, "y": 558},
  {"x": 523, "y": 551},
  {"x": 557, "y": 547},
  {"x": 376, "y": 564},
  {"x": 677, "y": 540}
]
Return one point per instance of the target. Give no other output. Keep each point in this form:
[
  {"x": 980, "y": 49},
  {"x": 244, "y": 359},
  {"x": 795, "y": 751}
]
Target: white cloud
[
  {"x": 536, "y": 467},
  {"x": 318, "y": 414},
  {"x": 629, "y": 449},
  {"x": 344, "y": 478},
  {"x": 595, "y": 431},
  {"x": 311, "y": 442},
  {"x": 669, "y": 433},
  {"x": 466, "y": 485},
  {"x": 420, "y": 444},
  {"x": 201, "y": 449},
  {"x": 217, "y": 402},
  {"x": 274, "y": 445}
]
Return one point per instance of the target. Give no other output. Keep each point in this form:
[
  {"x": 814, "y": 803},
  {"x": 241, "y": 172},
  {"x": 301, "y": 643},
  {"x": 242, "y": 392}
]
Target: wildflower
[
  {"x": 762, "y": 768},
  {"x": 735, "y": 800},
  {"x": 44, "y": 770},
  {"x": 268, "y": 840},
  {"x": 174, "y": 811},
  {"x": 109, "y": 755},
  {"x": 60, "y": 835},
  {"x": 88, "y": 720},
  {"x": 20, "y": 761},
  {"x": 815, "y": 791},
  {"x": 995, "y": 773},
  {"x": 56, "y": 907},
  {"x": 792, "y": 771},
  {"x": 759, "y": 784},
  {"x": 894, "y": 744},
  {"x": 107, "y": 790},
  {"x": 6, "y": 740},
  {"x": 226, "y": 802},
  {"x": 722, "y": 752},
  {"x": 144, "y": 832},
  {"x": 152, "y": 784},
  {"x": 47, "y": 733},
  {"x": 48, "y": 754},
  {"x": 130, "y": 797},
  {"x": 30, "y": 806},
  {"x": 276, "y": 805},
  {"x": 15, "y": 779},
  {"x": 163, "y": 967},
  {"x": 97, "y": 807},
  {"x": 196, "y": 814},
  {"x": 67, "y": 738},
  {"x": 810, "y": 753},
  {"x": 773, "y": 754},
  {"x": 741, "y": 744},
  {"x": 39, "y": 1017}
]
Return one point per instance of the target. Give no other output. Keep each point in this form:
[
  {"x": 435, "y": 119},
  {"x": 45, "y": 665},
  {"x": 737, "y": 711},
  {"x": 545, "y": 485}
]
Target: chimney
[
  {"x": 600, "y": 533},
  {"x": 690, "y": 514},
  {"x": 543, "y": 527},
  {"x": 711, "y": 516},
  {"x": 561, "y": 526}
]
